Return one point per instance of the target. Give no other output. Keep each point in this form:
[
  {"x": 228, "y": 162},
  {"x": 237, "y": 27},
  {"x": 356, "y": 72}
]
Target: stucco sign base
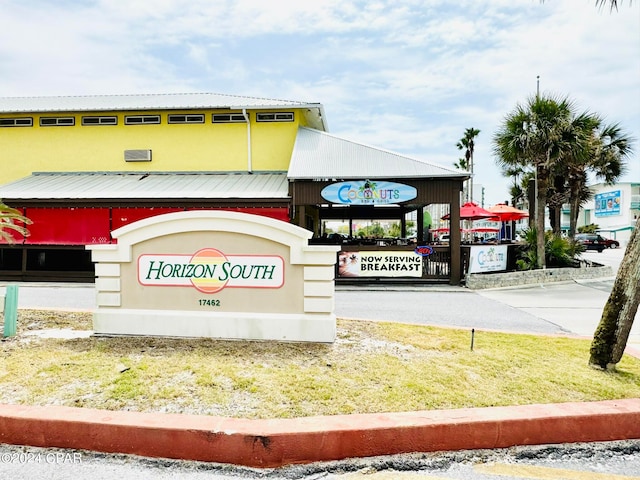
[
  {"x": 215, "y": 274},
  {"x": 299, "y": 328}
]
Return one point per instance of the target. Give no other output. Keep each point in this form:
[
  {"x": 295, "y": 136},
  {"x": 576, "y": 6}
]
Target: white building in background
[{"x": 614, "y": 208}]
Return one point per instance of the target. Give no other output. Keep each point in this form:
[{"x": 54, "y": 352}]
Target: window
[
  {"x": 228, "y": 118},
  {"x": 275, "y": 117},
  {"x": 141, "y": 119},
  {"x": 57, "y": 121},
  {"x": 99, "y": 120},
  {"x": 191, "y": 118},
  {"x": 16, "y": 122}
]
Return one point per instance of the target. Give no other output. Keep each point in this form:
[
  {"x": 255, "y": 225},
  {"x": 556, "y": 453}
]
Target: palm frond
[{"x": 12, "y": 221}]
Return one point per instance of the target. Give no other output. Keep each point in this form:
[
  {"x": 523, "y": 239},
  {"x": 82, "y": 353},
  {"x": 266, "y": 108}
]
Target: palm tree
[
  {"x": 604, "y": 155},
  {"x": 8, "y": 218},
  {"x": 536, "y": 135},
  {"x": 461, "y": 164},
  {"x": 578, "y": 133},
  {"x": 467, "y": 143},
  {"x": 613, "y": 4},
  {"x": 519, "y": 182},
  {"x": 556, "y": 197},
  {"x": 610, "y": 338}
]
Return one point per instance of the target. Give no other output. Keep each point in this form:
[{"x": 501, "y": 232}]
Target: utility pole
[
  {"x": 471, "y": 179},
  {"x": 536, "y": 167}
]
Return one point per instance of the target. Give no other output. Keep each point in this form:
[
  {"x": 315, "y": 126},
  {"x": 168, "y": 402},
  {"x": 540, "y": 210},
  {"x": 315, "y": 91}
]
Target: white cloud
[{"x": 405, "y": 76}]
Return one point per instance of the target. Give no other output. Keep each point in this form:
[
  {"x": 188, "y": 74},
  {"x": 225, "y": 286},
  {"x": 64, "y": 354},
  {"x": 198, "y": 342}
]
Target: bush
[
  {"x": 591, "y": 228},
  {"x": 559, "y": 251}
]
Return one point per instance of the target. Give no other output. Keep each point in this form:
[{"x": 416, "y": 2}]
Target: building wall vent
[{"x": 137, "y": 155}]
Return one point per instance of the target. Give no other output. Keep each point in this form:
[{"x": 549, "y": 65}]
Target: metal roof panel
[
  {"x": 114, "y": 185},
  {"x": 174, "y": 101},
  {"x": 319, "y": 155}
]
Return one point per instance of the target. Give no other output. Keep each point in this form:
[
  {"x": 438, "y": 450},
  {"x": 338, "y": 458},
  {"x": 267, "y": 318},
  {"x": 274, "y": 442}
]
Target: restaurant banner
[
  {"x": 488, "y": 258},
  {"x": 378, "y": 264}
]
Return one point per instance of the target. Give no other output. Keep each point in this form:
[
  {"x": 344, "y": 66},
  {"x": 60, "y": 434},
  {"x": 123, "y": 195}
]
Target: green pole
[{"x": 10, "y": 310}]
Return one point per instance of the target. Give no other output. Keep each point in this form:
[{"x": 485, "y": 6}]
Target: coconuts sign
[
  {"x": 488, "y": 258},
  {"x": 215, "y": 274},
  {"x": 368, "y": 192}
]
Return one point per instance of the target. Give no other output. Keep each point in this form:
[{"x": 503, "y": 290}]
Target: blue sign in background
[
  {"x": 608, "y": 203},
  {"x": 368, "y": 192}
]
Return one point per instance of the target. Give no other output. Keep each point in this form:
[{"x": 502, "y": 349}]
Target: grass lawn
[{"x": 372, "y": 367}]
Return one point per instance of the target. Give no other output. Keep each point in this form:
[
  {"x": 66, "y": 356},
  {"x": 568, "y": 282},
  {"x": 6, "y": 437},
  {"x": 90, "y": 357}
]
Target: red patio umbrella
[
  {"x": 472, "y": 211},
  {"x": 507, "y": 213}
]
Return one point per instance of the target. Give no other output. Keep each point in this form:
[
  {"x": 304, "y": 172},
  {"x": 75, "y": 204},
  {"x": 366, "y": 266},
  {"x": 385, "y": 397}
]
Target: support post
[
  {"x": 454, "y": 238},
  {"x": 10, "y": 310},
  {"x": 421, "y": 238}
]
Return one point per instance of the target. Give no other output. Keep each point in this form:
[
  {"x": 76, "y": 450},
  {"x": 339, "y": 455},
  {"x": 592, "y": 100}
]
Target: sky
[{"x": 407, "y": 76}]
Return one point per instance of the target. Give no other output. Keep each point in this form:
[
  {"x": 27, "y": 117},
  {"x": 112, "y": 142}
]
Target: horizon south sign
[
  {"x": 209, "y": 270},
  {"x": 215, "y": 274},
  {"x": 367, "y": 192}
]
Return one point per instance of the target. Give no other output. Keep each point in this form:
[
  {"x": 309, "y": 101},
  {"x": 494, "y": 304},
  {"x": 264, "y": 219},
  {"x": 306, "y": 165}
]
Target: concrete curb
[{"x": 275, "y": 443}]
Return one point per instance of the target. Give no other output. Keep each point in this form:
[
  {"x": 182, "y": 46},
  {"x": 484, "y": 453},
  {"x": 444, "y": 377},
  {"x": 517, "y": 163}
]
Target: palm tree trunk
[
  {"x": 574, "y": 202},
  {"x": 532, "y": 193},
  {"x": 555, "y": 204},
  {"x": 554, "y": 219},
  {"x": 612, "y": 334},
  {"x": 542, "y": 185}
]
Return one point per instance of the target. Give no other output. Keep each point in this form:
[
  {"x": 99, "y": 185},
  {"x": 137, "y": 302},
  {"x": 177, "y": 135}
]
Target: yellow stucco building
[
  {"x": 80, "y": 167},
  {"x": 143, "y": 133}
]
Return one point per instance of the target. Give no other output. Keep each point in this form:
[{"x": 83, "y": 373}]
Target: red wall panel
[
  {"x": 68, "y": 226},
  {"x": 279, "y": 213},
  {"x": 87, "y": 226},
  {"x": 126, "y": 215}
]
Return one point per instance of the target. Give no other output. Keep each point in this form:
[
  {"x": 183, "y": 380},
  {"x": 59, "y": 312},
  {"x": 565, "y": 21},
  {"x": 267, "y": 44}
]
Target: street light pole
[{"x": 536, "y": 165}]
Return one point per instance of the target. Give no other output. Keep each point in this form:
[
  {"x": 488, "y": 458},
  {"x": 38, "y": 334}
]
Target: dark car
[
  {"x": 610, "y": 243},
  {"x": 591, "y": 241}
]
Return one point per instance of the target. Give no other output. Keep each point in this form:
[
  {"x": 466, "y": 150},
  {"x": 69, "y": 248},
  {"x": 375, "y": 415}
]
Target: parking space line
[
  {"x": 386, "y": 475},
  {"x": 545, "y": 473}
]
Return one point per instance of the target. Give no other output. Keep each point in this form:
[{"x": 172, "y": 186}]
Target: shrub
[
  {"x": 591, "y": 228},
  {"x": 559, "y": 251}
]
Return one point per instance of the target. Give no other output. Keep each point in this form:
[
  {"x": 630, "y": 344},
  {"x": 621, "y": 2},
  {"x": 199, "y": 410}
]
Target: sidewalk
[{"x": 575, "y": 307}]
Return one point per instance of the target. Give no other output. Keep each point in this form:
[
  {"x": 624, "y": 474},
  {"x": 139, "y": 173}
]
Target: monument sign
[{"x": 215, "y": 274}]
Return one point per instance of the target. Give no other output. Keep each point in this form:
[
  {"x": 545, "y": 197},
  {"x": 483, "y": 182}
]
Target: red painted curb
[
  {"x": 274, "y": 443},
  {"x": 633, "y": 351}
]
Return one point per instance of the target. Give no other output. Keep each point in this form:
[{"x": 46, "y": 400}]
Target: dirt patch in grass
[
  {"x": 372, "y": 367},
  {"x": 30, "y": 320}
]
